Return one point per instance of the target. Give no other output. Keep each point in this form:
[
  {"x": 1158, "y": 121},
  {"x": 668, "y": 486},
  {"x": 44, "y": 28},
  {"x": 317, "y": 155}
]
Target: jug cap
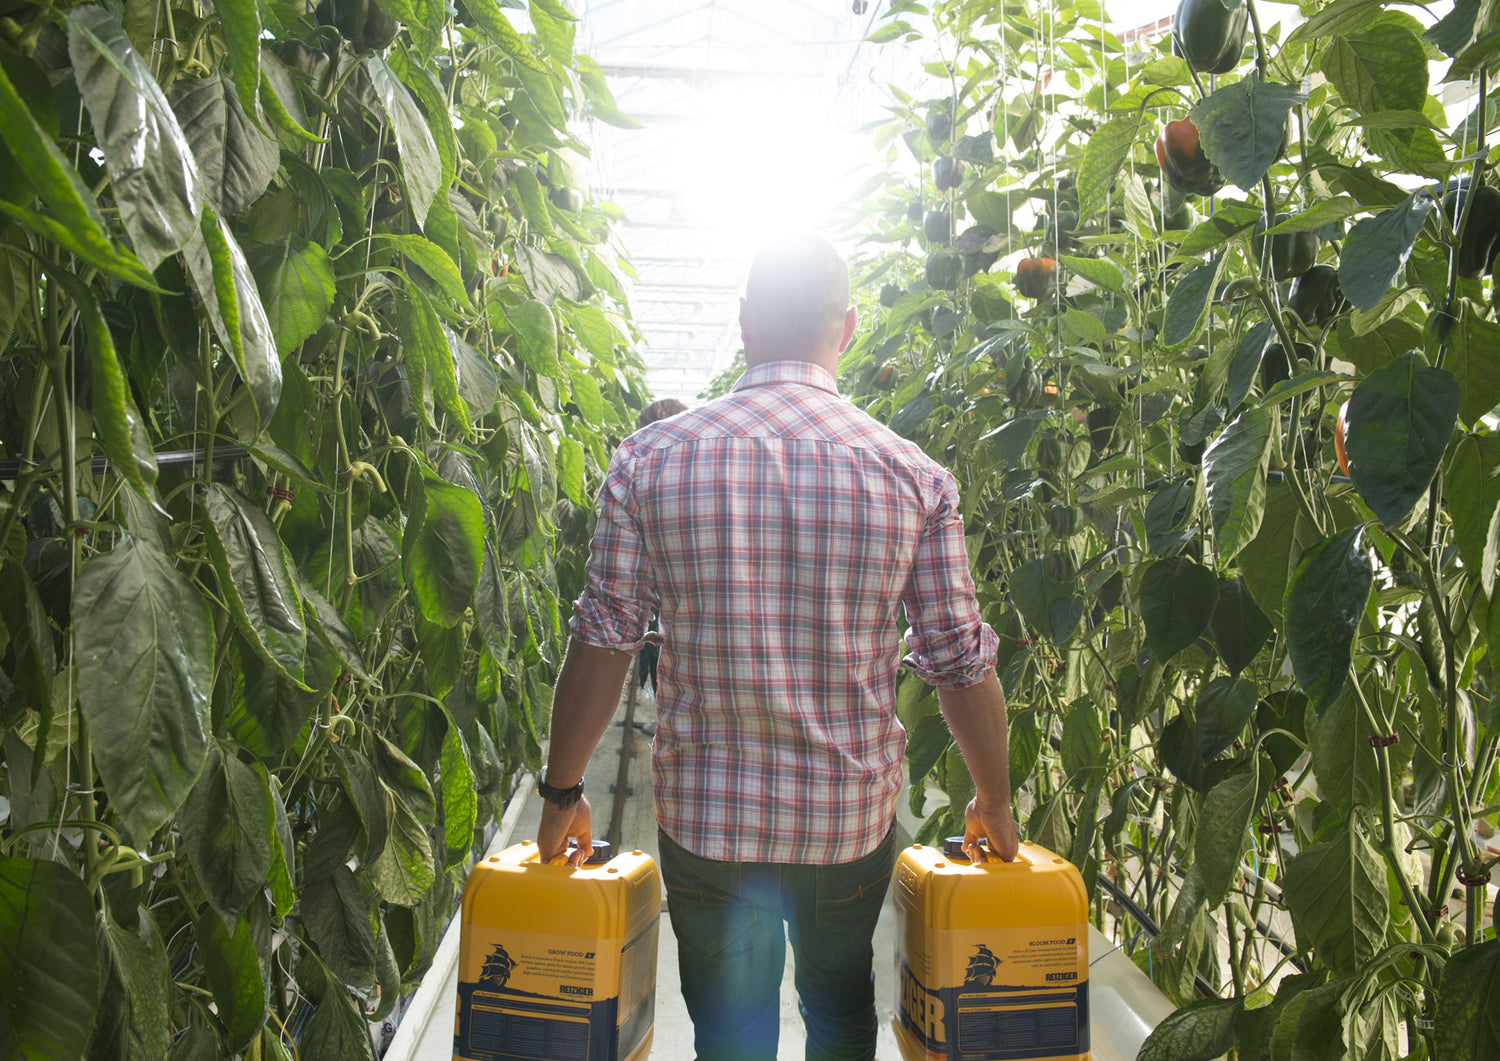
[
  {"x": 603, "y": 852},
  {"x": 953, "y": 847}
]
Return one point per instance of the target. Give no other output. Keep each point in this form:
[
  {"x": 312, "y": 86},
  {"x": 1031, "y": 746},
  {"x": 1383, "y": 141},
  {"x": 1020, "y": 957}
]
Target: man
[{"x": 778, "y": 529}]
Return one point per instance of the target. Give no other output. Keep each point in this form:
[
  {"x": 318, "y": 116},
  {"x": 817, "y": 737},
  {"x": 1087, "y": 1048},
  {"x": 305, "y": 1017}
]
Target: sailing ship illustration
[
  {"x": 982, "y": 968},
  {"x": 497, "y": 968}
]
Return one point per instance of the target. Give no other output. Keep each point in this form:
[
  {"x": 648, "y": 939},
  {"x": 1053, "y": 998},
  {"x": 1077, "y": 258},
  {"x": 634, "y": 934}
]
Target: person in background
[
  {"x": 780, "y": 531},
  {"x": 649, "y": 654}
]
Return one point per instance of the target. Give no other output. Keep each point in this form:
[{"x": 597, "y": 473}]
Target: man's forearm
[
  {"x": 976, "y": 718},
  {"x": 588, "y": 691}
]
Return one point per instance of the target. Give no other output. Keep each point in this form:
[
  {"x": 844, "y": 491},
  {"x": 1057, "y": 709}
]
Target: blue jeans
[{"x": 731, "y": 948}]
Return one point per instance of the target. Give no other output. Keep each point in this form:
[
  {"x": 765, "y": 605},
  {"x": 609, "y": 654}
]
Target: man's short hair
[
  {"x": 660, "y": 410},
  {"x": 798, "y": 292}
]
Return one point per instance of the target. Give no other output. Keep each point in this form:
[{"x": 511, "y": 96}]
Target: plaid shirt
[{"x": 778, "y": 529}]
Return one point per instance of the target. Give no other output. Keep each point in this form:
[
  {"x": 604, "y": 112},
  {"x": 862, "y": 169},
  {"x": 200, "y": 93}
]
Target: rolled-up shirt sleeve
[
  {"x": 948, "y": 644},
  {"x": 617, "y": 598}
]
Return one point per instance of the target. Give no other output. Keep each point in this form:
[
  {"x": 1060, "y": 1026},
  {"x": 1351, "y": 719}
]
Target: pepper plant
[
  {"x": 1251, "y": 695},
  {"x": 313, "y": 350}
]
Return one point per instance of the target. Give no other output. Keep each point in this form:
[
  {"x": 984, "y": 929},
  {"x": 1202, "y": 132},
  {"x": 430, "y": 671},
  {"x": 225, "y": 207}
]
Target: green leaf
[
  {"x": 145, "y": 672},
  {"x": 1341, "y": 16},
  {"x": 337, "y": 918},
  {"x": 1399, "y": 422},
  {"x": 1309, "y": 1027},
  {"x": 1178, "y": 597},
  {"x": 223, "y": 280},
  {"x": 76, "y": 222},
  {"x": 1471, "y": 489},
  {"x": 420, "y": 80},
  {"x": 570, "y": 458},
  {"x": 1240, "y": 629},
  {"x": 1103, "y": 155},
  {"x": 132, "y": 1022},
  {"x": 32, "y": 653},
  {"x": 1050, "y": 605},
  {"x": 1245, "y": 364},
  {"x": 1376, "y": 249},
  {"x": 404, "y": 872},
  {"x": 498, "y": 28},
  {"x": 1187, "y": 305},
  {"x": 155, "y": 177},
  {"x": 1374, "y": 349},
  {"x": 330, "y": 624},
  {"x": 1379, "y": 66},
  {"x": 1468, "y": 1004},
  {"x": 421, "y": 168},
  {"x": 1199, "y": 1031},
  {"x": 227, "y": 828},
  {"x": 536, "y": 330},
  {"x": 1223, "y": 709},
  {"x": 1325, "y": 600},
  {"x": 1099, "y": 271},
  {"x": 435, "y": 263},
  {"x": 478, "y": 381},
  {"x": 282, "y": 874},
  {"x": 548, "y": 276},
  {"x": 459, "y": 804},
  {"x": 256, "y": 579},
  {"x": 1082, "y": 748},
  {"x": 1221, "y": 832},
  {"x": 427, "y": 346},
  {"x": 235, "y": 158},
  {"x": 1243, "y": 127},
  {"x": 1234, "y": 471},
  {"x": 118, "y": 421},
  {"x": 230, "y": 963},
  {"x": 49, "y": 961},
  {"x": 1321, "y": 214},
  {"x": 296, "y": 284},
  {"x": 1341, "y": 758},
  {"x": 1472, "y": 360},
  {"x": 443, "y": 550},
  {"x": 532, "y": 199},
  {"x": 1336, "y": 891}
]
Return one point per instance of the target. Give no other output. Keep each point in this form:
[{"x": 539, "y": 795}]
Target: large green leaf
[
  {"x": 1200, "y": 1031},
  {"x": 1376, "y": 249},
  {"x": 421, "y": 168},
  {"x": 239, "y": 21},
  {"x": 337, "y": 918},
  {"x": 536, "y": 333},
  {"x": 1239, "y": 627},
  {"x": 1471, "y": 490},
  {"x": 497, "y": 27},
  {"x": 236, "y": 159},
  {"x": 1178, "y": 597},
  {"x": 256, "y": 579},
  {"x": 337, "y": 1030},
  {"x": 434, "y": 262},
  {"x": 405, "y": 871},
  {"x": 49, "y": 961},
  {"x": 145, "y": 673},
  {"x": 443, "y": 550},
  {"x": 1234, "y": 471},
  {"x": 1243, "y": 126},
  {"x": 1245, "y": 364},
  {"x": 1336, "y": 891},
  {"x": 1309, "y": 1027},
  {"x": 119, "y": 423},
  {"x": 296, "y": 284},
  {"x": 1048, "y": 603},
  {"x": 132, "y": 1022},
  {"x": 1472, "y": 360},
  {"x": 224, "y": 282},
  {"x": 427, "y": 348},
  {"x": 456, "y": 792},
  {"x": 1103, "y": 155},
  {"x": 1223, "y": 829},
  {"x": 1400, "y": 420},
  {"x": 157, "y": 185},
  {"x": 228, "y": 827},
  {"x": 1325, "y": 600},
  {"x": 1340, "y": 745},
  {"x": 1224, "y": 708},
  {"x": 32, "y": 653},
  {"x": 1187, "y": 305},
  {"x": 234, "y": 975},
  {"x": 1379, "y": 66},
  {"x": 1468, "y": 1004}
]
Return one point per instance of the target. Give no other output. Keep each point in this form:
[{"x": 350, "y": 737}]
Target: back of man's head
[{"x": 796, "y": 300}]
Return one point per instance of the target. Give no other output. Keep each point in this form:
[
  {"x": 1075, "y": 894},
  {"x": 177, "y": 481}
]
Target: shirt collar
[{"x": 777, "y": 373}]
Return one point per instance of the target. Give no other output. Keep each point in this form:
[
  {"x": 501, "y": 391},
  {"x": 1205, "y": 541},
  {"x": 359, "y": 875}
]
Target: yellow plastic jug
[
  {"x": 991, "y": 958},
  {"x": 556, "y": 962}
]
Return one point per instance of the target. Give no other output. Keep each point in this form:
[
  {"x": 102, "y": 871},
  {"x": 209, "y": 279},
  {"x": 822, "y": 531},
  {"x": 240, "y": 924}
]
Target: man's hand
[
  {"x": 992, "y": 822},
  {"x": 560, "y": 825}
]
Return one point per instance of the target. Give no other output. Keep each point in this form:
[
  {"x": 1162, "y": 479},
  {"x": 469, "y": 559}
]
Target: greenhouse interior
[{"x": 435, "y": 434}]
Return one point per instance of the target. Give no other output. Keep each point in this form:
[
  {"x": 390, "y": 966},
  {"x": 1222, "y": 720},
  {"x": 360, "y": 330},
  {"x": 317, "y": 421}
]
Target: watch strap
[{"x": 562, "y": 798}]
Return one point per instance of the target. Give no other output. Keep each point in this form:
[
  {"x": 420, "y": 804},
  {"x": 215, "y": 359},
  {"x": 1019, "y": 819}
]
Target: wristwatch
[{"x": 562, "y": 798}]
